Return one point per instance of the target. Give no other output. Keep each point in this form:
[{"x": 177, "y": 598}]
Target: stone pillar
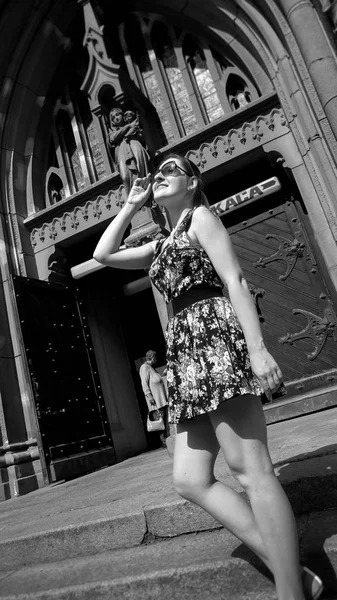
[
  {"x": 316, "y": 51},
  {"x": 20, "y": 464}
]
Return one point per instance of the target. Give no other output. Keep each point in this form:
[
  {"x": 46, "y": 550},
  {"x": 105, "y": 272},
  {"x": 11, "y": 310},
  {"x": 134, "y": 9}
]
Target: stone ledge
[{"x": 310, "y": 484}]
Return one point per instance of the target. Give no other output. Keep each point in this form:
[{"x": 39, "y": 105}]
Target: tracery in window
[
  {"x": 55, "y": 189},
  {"x": 200, "y": 72},
  {"x": 75, "y": 158},
  {"x": 70, "y": 152},
  {"x": 90, "y": 139},
  {"x": 179, "y": 94},
  {"x": 169, "y": 63},
  {"x": 238, "y": 92},
  {"x": 147, "y": 79}
]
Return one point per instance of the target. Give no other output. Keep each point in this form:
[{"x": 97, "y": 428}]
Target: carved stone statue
[{"x": 127, "y": 146}]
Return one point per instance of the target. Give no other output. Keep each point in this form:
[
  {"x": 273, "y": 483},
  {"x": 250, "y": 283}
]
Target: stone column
[{"x": 316, "y": 51}]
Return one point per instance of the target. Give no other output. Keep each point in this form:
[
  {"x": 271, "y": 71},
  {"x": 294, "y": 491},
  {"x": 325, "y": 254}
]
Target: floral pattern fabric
[{"x": 207, "y": 358}]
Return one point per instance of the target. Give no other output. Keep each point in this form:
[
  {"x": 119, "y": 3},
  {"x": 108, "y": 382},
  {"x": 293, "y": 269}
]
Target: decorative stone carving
[
  {"x": 259, "y": 130},
  {"x": 250, "y": 133},
  {"x": 100, "y": 69},
  {"x": 318, "y": 329},
  {"x": 78, "y": 218}
]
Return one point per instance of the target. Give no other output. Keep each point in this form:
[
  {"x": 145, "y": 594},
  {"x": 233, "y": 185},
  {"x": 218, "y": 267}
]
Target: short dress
[{"x": 207, "y": 357}]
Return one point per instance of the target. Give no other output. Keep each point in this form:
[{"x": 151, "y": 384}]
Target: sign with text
[{"x": 253, "y": 193}]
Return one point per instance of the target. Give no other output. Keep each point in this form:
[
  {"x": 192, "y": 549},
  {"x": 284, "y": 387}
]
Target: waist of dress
[{"x": 194, "y": 294}]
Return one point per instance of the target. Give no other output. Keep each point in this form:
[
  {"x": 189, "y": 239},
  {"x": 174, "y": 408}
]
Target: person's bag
[{"x": 155, "y": 421}]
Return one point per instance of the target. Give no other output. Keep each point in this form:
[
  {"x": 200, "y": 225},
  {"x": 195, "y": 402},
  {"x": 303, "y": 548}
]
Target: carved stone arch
[
  {"x": 106, "y": 95},
  {"x": 55, "y": 186},
  {"x": 238, "y": 91},
  {"x": 32, "y": 65}
]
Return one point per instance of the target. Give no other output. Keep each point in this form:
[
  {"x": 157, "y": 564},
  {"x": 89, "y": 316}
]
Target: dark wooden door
[
  {"x": 69, "y": 401},
  {"x": 297, "y": 315}
]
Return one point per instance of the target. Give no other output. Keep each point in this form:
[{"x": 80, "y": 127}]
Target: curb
[{"x": 311, "y": 485}]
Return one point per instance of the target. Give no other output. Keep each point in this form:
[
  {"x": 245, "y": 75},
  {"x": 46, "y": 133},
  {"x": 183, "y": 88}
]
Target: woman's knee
[
  {"x": 191, "y": 486},
  {"x": 254, "y": 480},
  {"x": 250, "y": 476}
]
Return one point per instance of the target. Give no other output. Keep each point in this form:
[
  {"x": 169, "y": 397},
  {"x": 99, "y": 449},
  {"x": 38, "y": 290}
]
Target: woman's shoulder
[{"x": 202, "y": 215}]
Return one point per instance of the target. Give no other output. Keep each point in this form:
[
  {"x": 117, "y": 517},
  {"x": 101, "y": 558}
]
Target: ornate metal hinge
[
  {"x": 288, "y": 252},
  {"x": 318, "y": 329},
  {"x": 257, "y": 293}
]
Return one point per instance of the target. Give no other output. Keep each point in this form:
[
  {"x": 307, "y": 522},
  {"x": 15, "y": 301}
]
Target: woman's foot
[{"x": 312, "y": 584}]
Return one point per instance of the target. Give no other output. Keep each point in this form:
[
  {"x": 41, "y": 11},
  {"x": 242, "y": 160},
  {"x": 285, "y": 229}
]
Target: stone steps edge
[
  {"x": 228, "y": 579},
  {"x": 149, "y": 526}
]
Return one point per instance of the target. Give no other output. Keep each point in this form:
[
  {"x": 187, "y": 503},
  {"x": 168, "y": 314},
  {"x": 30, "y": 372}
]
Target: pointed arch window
[
  {"x": 184, "y": 78},
  {"x": 202, "y": 79},
  {"x": 139, "y": 63},
  {"x": 238, "y": 92},
  {"x": 165, "y": 53},
  {"x": 189, "y": 83},
  {"x": 75, "y": 159}
]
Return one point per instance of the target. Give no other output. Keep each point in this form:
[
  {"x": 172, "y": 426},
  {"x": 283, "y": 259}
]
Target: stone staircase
[
  {"x": 123, "y": 534},
  {"x": 103, "y": 561}
]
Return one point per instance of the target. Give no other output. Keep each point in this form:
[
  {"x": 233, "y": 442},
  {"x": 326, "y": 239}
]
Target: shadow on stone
[{"x": 244, "y": 553}]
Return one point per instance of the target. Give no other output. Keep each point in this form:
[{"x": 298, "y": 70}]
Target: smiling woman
[
  {"x": 217, "y": 368},
  {"x": 174, "y": 165}
]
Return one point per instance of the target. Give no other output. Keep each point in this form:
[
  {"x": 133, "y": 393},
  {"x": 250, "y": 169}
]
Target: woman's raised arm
[{"x": 107, "y": 251}]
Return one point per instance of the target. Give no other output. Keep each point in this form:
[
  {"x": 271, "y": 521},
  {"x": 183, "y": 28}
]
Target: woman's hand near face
[
  {"x": 108, "y": 251},
  {"x": 139, "y": 192}
]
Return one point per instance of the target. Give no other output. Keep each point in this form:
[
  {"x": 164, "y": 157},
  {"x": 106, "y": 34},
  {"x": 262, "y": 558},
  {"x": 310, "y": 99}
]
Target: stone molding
[
  {"x": 79, "y": 218},
  {"x": 239, "y": 140},
  {"x": 89, "y": 209}
]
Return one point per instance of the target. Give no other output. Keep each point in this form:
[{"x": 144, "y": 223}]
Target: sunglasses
[{"x": 170, "y": 168}]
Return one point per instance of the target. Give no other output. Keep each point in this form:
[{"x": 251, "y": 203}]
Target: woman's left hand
[
  {"x": 266, "y": 370},
  {"x": 140, "y": 192}
]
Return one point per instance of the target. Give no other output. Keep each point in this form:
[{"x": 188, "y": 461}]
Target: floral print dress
[{"x": 207, "y": 358}]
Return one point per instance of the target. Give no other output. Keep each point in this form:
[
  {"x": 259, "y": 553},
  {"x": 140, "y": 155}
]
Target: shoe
[{"x": 312, "y": 584}]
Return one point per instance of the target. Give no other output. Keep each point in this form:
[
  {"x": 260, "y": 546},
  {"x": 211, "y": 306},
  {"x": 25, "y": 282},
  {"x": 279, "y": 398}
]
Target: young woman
[{"x": 217, "y": 368}]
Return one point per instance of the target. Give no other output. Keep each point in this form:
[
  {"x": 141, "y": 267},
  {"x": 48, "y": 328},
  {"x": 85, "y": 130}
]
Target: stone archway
[{"x": 36, "y": 41}]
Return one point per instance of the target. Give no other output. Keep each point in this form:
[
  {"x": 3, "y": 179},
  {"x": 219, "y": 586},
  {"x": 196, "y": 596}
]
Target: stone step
[
  {"x": 199, "y": 566},
  {"x": 310, "y": 484}
]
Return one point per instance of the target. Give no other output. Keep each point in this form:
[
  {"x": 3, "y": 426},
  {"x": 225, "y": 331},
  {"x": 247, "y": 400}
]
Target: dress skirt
[{"x": 207, "y": 359}]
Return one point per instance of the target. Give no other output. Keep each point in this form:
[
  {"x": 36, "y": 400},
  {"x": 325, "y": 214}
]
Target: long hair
[{"x": 199, "y": 196}]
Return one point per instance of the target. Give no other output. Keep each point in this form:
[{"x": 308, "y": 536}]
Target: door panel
[
  {"x": 69, "y": 402},
  {"x": 296, "y": 312}
]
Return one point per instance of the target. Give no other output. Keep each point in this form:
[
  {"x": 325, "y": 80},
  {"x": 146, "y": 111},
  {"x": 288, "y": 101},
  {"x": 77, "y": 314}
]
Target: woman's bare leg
[
  {"x": 196, "y": 449},
  {"x": 240, "y": 429}
]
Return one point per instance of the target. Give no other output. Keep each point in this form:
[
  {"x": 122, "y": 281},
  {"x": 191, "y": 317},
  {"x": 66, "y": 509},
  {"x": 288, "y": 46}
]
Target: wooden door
[
  {"x": 297, "y": 314},
  {"x": 69, "y": 402}
]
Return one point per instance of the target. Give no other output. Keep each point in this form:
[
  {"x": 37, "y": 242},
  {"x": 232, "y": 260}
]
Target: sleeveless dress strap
[
  {"x": 158, "y": 247},
  {"x": 183, "y": 225}
]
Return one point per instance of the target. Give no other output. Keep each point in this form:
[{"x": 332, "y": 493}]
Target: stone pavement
[
  {"x": 132, "y": 504},
  {"x": 137, "y": 497}
]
